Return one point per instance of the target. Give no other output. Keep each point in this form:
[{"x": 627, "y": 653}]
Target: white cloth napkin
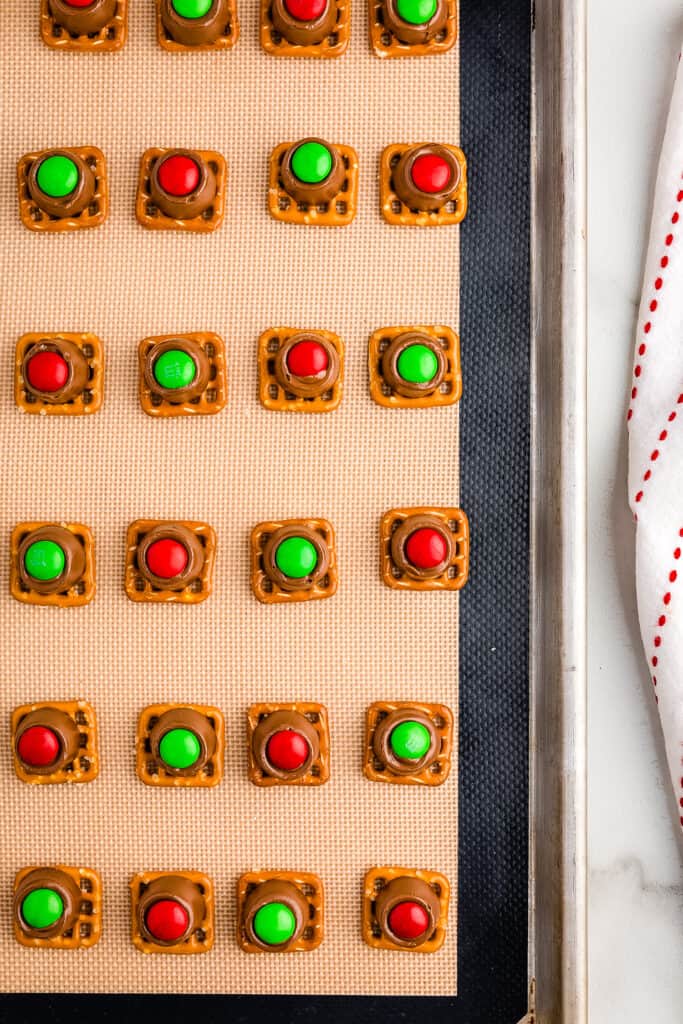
[{"x": 655, "y": 421}]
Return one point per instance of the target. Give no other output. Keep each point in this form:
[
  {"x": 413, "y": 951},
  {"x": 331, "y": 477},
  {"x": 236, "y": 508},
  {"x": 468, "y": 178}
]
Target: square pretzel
[
  {"x": 454, "y": 576},
  {"x": 201, "y": 940},
  {"x": 450, "y": 390},
  {"x": 148, "y": 213},
  {"x": 434, "y": 774},
  {"x": 385, "y": 44},
  {"x": 271, "y": 392},
  {"x": 224, "y": 42},
  {"x": 153, "y": 773},
  {"x": 141, "y": 590},
  {"x": 338, "y": 212},
  {"x": 395, "y": 211},
  {"x": 87, "y": 929},
  {"x": 319, "y": 772},
  {"x": 83, "y": 590},
  {"x": 333, "y": 45},
  {"x": 90, "y": 399},
  {"x": 265, "y": 589},
  {"x": 211, "y": 401},
  {"x": 110, "y": 38},
  {"x": 85, "y": 766},
  {"x": 92, "y": 216},
  {"x": 312, "y": 888},
  {"x": 375, "y": 880}
]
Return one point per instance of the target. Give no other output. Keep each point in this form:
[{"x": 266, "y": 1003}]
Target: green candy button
[
  {"x": 174, "y": 369},
  {"x": 416, "y": 12},
  {"x": 410, "y": 741},
  {"x": 192, "y": 8},
  {"x": 274, "y": 924},
  {"x": 44, "y": 560},
  {"x": 311, "y": 163},
  {"x": 57, "y": 176},
  {"x": 42, "y": 908},
  {"x": 179, "y": 748},
  {"x": 417, "y": 364},
  {"x": 296, "y": 557}
]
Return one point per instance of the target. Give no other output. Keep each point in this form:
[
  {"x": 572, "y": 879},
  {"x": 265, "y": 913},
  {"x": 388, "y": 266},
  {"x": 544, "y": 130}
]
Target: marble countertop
[{"x": 635, "y": 850}]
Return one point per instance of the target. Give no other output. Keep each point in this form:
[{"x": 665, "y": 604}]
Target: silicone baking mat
[
  {"x": 232, "y": 470},
  {"x": 245, "y": 465}
]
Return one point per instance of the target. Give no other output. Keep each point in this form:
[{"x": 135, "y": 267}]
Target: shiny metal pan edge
[{"x": 557, "y": 892}]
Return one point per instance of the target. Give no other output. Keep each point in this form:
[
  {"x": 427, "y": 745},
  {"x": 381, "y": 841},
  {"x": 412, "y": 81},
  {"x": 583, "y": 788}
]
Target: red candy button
[
  {"x": 79, "y": 3},
  {"x": 431, "y": 173},
  {"x": 408, "y": 920},
  {"x": 426, "y": 548},
  {"x": 287, "y": 750},
  {"x": 47, "y": 371},
  {"x": 306, "y": 10},
  {"x": 178, "y": 175},
  {"x": 167, "y": 920},
  {"x": 38, "y": 746},
  {"x": 167, "y": 558},
  {"x": 307, "y": 359}
]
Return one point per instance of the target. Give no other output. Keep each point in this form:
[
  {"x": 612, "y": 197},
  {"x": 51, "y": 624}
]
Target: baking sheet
[{"x": 232, "y": 470}]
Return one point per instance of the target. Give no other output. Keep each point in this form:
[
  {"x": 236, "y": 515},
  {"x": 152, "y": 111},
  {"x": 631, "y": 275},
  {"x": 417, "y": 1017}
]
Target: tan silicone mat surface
[{"x": 240, "y": 467}]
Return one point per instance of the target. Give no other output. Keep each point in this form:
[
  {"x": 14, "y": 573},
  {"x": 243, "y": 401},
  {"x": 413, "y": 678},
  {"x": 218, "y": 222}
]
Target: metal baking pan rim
[{"x": 558, "y": 866}]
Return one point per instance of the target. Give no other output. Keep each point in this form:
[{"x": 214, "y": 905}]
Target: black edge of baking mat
[
  {"x": 494, "y": 785},
  {"x": 495, "y": 480}
]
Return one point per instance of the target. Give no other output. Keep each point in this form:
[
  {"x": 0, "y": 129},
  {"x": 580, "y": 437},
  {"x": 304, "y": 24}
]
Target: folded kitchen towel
[{"x": 655, "y": 422}]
